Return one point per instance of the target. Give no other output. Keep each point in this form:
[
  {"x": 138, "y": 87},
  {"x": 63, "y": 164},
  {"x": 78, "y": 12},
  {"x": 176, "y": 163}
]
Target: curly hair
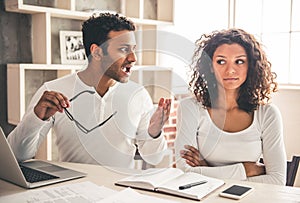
[
  {"x": 260, "y": 82},
  {"x": 95, "y": 30}
]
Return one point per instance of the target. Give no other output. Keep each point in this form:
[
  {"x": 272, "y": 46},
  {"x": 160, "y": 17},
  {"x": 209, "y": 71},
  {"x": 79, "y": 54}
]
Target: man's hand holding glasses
[{"x": 51, "y": 102}]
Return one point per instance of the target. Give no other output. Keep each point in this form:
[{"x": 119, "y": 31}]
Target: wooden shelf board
[
  {"x": 29, "y": 66},
  {"x": 69, "y": 14}
]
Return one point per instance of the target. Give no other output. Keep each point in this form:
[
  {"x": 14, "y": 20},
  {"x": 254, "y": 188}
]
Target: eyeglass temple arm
[
  {"x": 88, "y": 91},
  {"x": 103, "y": 121},
  {"x": 68, "y": 114}
]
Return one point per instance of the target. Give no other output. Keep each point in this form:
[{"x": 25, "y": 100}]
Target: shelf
[
  {"x": 19, "y": 7},
  {"x": 18, "y": 90},
  {"x": 48, "y": 21},
  {"x": 157, "y": 80}
]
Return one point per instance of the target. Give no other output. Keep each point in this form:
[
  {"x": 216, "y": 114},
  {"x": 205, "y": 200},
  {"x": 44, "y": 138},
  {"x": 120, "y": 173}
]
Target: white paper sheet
[
  {"x": 83, "y": 192},
  {"x": 131, "y": 196}
]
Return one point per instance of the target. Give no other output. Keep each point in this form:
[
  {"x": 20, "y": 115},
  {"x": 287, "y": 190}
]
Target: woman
[{"x": 230, "y": 124}]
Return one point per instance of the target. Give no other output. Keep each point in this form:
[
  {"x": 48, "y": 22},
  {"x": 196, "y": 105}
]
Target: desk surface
[{"x": 106, "y": 176}]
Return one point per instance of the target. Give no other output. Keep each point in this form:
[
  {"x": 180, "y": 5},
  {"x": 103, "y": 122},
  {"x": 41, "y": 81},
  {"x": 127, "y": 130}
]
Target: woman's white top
[
  {"x": 226, "y": 151},
  {"x": 113, "y": 144}
]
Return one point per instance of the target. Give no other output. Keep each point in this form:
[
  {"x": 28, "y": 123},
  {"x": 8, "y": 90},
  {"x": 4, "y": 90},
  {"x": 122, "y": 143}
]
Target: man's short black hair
[{"x": 95, "y": 30}]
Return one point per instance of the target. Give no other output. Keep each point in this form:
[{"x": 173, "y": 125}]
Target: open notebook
[
  {"x": 33, "y": 173},
  {"x": 169, "y": 180}
]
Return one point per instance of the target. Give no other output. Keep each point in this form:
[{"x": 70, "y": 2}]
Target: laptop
[{"x": 32, "y": 173}]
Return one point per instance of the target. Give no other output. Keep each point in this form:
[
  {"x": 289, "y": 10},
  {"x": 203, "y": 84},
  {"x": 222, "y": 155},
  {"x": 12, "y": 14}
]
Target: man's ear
[{"x": 96, "y": 52}]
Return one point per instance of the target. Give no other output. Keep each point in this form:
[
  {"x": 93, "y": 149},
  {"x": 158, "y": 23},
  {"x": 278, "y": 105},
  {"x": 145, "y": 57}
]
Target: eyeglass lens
[{"x": 78, "y": 124}]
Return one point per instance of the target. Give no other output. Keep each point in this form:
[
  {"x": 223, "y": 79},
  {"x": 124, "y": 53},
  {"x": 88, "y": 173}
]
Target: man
[{"x": 97, "y": 114}]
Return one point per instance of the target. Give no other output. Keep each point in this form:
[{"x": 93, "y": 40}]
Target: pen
[{"x": 182, "y": 187}]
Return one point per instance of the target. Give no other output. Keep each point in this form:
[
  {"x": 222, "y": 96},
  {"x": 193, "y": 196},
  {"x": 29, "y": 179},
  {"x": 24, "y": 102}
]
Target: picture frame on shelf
[{"x": 71, "y": 47}]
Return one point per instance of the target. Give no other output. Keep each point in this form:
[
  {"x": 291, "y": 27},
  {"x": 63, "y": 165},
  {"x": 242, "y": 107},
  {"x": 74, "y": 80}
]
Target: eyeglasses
[{"x": 78, "y": 124}]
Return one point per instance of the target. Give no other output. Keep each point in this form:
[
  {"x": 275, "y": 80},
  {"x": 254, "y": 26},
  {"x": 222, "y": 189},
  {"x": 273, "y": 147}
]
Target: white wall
[
  {"x": 288, "y": 101},
  {"x": 190, "y": 22}
]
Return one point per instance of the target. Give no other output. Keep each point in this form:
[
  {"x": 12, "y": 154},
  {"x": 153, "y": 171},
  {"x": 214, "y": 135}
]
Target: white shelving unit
[
  {"x": 65, "y": 9},
  {"x": 16, "y": 88},
  {"x": 157, "y": 80},
  {"x": 45, "y": 43}
]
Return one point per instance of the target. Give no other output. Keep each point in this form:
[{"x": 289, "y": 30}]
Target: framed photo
[{"x": 71, "y": 47}]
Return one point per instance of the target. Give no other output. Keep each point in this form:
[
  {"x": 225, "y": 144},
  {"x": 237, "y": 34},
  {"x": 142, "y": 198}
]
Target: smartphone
[{"x": 236, "y": 191}]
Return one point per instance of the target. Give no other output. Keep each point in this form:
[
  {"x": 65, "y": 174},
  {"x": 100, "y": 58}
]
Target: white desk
[{"x": 99, "y": 175}]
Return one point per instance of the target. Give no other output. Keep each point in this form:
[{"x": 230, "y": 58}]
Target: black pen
[{"x": 182, "y": 187}]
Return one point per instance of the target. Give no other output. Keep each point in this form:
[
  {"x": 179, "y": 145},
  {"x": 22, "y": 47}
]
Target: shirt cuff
[{"x": 242, "y": 171}]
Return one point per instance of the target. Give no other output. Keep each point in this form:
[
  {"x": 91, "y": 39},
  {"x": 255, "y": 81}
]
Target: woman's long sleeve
[{"x": 273, "y": 148}]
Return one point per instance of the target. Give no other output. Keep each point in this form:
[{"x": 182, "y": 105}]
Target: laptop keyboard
[{"x": 33, "y": 176}]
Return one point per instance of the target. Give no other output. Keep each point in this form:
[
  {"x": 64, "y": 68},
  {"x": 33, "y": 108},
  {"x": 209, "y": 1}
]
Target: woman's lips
[{"x": 230, "y": 79}]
